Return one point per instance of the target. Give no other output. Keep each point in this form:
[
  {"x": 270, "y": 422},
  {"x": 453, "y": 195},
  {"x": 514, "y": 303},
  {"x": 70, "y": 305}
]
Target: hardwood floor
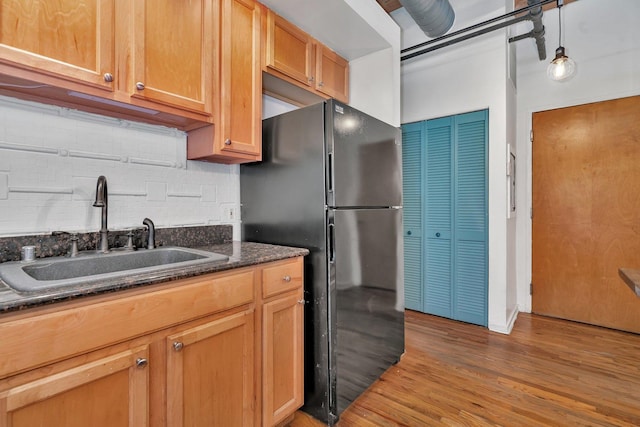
[{"x": 548, "y": 372}]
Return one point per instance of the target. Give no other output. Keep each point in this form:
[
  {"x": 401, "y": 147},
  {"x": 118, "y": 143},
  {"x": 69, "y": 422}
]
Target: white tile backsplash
[{"x": 145, "y": 166}]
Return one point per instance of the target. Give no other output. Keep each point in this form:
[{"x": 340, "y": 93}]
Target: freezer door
[
  {"x": 367, "y": 297},
  {"x": 364, "y": 159}
]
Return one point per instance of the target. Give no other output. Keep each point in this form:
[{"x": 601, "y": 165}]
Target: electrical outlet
[{"x": 229, "y": 213}]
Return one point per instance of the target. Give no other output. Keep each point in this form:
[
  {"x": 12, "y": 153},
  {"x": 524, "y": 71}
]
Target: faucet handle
[{"x": 73, "y": 237}]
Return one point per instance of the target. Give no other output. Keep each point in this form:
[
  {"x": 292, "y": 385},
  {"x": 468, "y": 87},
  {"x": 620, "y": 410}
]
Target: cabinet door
[
  {"x": 240, "y": 79},
  {"x": 289, "y": 49},
  {"x": 283, "y": 376},
  {"x": 332, "y": 73},
  {"x": 73, "y": 39},
  {"x": 412, "y": 213},
  {"x": 112, "y": 391},
  {"x": 173, "y": 53},
  {"x": 210, "y": 377}
]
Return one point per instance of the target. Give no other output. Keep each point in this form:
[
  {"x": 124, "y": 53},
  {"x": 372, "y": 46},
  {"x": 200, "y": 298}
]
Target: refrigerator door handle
[
  {"x": 332, "y": 244},
  {"x": 330, "y": 172}
]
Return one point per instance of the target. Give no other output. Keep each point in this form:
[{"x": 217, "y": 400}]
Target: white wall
[
  {"x": 473, "y": 76},
  {"x": 375, "y": 78},
  {"x": 604, "y": 40},
  {"x": 51, "y": 157}
]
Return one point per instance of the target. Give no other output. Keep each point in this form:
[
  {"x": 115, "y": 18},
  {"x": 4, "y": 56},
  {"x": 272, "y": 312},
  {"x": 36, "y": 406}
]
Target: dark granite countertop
[
  {"x": 241, "y": 254},
  {"x": 632, "y": 278}
]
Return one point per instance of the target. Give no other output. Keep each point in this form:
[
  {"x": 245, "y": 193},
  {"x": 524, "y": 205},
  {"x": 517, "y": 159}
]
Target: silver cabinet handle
[
  {"x": 141, "y": 362},
  {"x": 108, "y": 77},
  {"x": 320, "y": 84},
  {"x": 301, "y": 301},
  {"x": 177, "y": 346},
  {"x": 140, "y": 86},
  {"x": 227, "y": 141},
  {"x": 287, "y": 278},
  {"x": 311, "y": 79}
]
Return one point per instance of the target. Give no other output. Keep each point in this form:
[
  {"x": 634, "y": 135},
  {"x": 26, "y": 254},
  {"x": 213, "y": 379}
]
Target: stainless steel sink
[{"x": 50, "y": 273}]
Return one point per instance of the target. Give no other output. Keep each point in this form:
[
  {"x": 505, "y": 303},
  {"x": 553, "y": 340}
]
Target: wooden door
[
  {"x": 73, "y": 39},
  {"x": 240, "y": 80},
  {"x": 210, "y": 376},
  {"x": 332, "y": 73},
  {"x": 283, "y": 373},
  {"x": 112, "y": 391},
  {"x": 173, "y": 50},
  {"x": 586, "y": 212},
  {"x": 289, "y": 50}
]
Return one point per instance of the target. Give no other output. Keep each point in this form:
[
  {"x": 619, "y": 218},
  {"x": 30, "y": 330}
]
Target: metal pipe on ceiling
[
  {"x": 448, "y": 39},
  {"x": 434, "y": 17}
]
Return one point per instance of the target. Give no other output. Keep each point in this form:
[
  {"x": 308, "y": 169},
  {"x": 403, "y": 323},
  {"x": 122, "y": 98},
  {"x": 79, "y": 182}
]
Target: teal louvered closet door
[
  {"x": 445, "y": 161},
  {"x": 412, "y": 176}
]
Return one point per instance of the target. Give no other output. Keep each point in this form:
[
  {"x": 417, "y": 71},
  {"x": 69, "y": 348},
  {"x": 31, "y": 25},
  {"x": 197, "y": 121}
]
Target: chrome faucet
[
  {"x": 102, "y": 202},
  {"x": 151, "y": 241}
]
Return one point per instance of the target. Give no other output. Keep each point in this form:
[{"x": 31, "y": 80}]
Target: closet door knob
[
  {"x": 108, "y": 77},
  {"x": 140, "y": 86}
]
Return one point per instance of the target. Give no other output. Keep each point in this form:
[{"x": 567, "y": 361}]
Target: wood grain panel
[
  {"x": 289, "y": 50},
  {"x": 73, "y": 38},
  {"x": 332, "y": 73},
  {"x": 519, "y": 4},
  {"x": 586, "y": 205},
  {"x": 173, "y": 53},
  {"x": 547, "y": 372},
  {"x": 83, "y": 329}
]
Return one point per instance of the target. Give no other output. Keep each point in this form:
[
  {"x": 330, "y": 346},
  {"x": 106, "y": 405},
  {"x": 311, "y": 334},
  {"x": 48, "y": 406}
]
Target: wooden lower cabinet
[
  {"x": 109, "y": 391},
  {"x": 210, "y": 378},
  {"x": 282, "y": 382},
  {"x": 282, "y": 341},
  {"x": 223, "y": 349}
]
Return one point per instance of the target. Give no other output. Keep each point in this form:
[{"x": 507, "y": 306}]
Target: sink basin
[{"x": 51, "y": 273}]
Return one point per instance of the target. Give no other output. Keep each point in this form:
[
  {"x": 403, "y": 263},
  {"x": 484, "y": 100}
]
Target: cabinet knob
[
  {"x": 409, "y": 233},
  {"x": 227, "y": 141},
  {"x": 311, "y": 79},
  {"x": 301, "y": 301},
  {"x": 177, "y": 346},
  {"x": 141, "y": 362},
  {"x": 140, "y": 86},
  {"x": 437, "y": 234},
  {"x": 320, "y": 84},
  {"x": 287, "y": 278},
  {"x": 108, "y": 77}
]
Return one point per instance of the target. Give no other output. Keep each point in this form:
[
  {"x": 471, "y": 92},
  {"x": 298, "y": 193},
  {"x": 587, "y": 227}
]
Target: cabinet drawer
[{"x": 281, "y": 277}]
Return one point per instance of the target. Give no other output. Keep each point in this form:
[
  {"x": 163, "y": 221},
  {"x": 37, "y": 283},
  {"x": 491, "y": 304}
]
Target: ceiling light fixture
[{"x": 562, "y": 67}]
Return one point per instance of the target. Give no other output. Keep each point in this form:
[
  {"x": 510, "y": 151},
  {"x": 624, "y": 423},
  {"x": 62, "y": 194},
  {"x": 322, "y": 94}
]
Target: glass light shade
[{"x": 562, "y": 67}]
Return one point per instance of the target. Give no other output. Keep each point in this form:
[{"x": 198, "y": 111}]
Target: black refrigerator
[{"x": 331, "y": 181}]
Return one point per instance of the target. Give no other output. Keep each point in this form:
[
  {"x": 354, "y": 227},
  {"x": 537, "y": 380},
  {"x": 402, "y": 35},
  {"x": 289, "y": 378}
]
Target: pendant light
[{"x": 562, "y": 67}]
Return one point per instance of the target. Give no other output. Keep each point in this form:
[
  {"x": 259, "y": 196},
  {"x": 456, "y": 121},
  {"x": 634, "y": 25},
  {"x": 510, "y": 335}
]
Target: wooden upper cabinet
[
  {"x": 72, "y": 39},
  {"x": 236, "y": 136},
  {"x": 110, "y": 391},
  {"x": 300, "y": 61},
  {"x": 240, "y": 79},
  {"x": 289, "y": 50},
  {"x": 332, "y": 74},
  {"x": 172, "y": 53}
]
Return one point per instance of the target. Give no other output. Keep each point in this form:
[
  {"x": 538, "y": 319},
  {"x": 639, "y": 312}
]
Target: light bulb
[{"x": 562, "y": 67}]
